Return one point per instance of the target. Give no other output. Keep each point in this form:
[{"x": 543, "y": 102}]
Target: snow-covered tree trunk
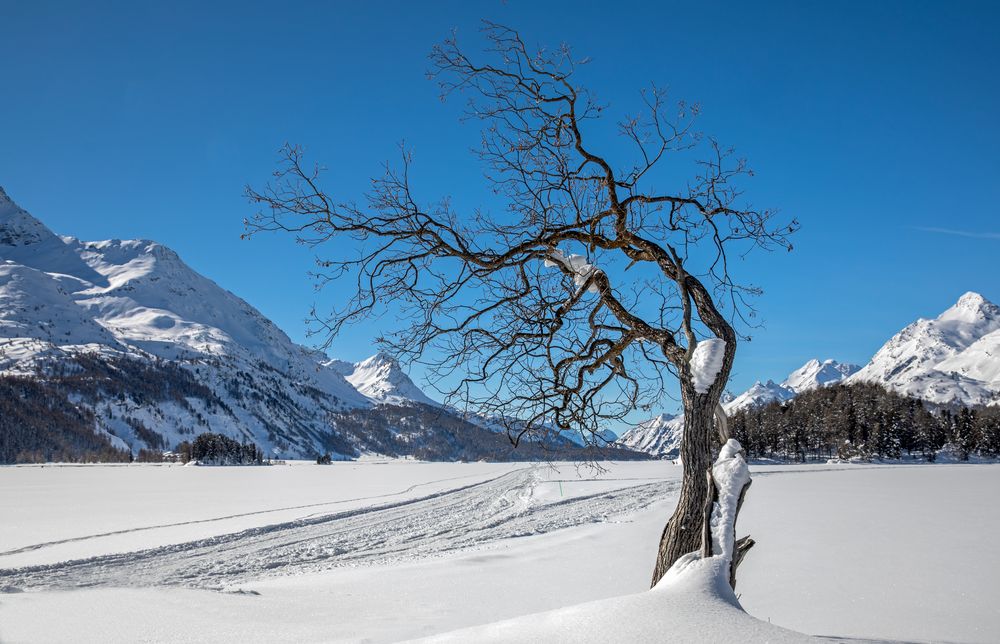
[
  {"x": 702, "y": 381},
  {"x": 726, "y": 482},
  {"x": 683, "y": 533}
]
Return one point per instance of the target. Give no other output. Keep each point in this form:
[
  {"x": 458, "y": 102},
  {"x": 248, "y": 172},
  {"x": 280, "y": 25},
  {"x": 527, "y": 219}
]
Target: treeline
[
  {"x": 208, "y": 449},
  {"x": 42, "y": 418},
  {"x": 39, "y": 424},
  {"x": 432, "y": 434},
  {"x": 866, "y": 421},
  {"x": 216, "y": 449}
]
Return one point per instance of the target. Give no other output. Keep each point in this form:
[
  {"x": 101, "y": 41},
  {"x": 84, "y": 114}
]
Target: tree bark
[
  {"x": 733, "y": 548},
  {"x": 682, "y": 533}
]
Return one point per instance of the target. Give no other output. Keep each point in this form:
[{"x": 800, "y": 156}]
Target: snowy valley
[{"x": 611, "y": 323}]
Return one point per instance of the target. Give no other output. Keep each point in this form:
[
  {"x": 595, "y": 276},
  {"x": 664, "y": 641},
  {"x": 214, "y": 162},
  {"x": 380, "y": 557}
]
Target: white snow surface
[
  {"x": 696, "y": 605},
  {"x": 706, "y": 363},
  {"x": 383, "y": 551}
]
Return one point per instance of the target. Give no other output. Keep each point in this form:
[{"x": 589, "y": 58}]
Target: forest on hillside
[
  {"x": 864, "y": 421},
  {"x": 42, "y": 420},
  {"x": 50, "y": 416}
]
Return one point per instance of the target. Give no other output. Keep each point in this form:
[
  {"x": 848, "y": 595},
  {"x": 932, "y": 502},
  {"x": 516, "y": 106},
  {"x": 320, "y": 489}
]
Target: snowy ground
[{"x": 384, "y": 551}]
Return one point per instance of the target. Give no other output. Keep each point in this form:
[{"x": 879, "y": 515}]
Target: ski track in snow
[
  {"x": 470, "y": 516},
  {"x": 46, "y": 544}
]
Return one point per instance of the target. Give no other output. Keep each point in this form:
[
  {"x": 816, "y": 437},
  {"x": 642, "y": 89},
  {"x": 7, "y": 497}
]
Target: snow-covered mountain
[
  {"x": 814, "y": 374},
  {"x": 759, "y": 394},
  {"x": 811, "y": 375},
  {"x": 381, "y": 379},
  {"x": 123, "y": 338},
  {"x": 61, "y": 298},
  {"x": 661, "y": 436},
  {"x": 951, "y": 359}
]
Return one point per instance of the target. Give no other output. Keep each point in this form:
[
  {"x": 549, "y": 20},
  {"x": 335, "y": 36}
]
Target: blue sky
[{"x": 873, "y": 123}]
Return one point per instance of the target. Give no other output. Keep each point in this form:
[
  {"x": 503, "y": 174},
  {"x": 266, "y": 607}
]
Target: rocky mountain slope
[{"x": 151, "y": 353}]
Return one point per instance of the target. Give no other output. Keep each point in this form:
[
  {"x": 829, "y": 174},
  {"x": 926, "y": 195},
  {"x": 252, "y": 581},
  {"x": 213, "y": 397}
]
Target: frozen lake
[{"x": 379, "y": 551}]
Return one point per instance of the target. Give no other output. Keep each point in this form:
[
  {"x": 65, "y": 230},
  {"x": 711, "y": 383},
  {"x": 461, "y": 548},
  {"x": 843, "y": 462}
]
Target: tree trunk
[{"x": 682, "y": 533}]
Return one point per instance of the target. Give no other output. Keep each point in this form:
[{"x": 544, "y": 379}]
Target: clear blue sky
[{"x": 871, "y": 122}]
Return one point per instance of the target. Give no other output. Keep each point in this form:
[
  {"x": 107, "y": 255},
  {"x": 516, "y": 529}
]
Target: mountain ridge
[
  {"x": 661, "y": 435},
  {"x": 945, "y": 360},
  {"x": 62, "y": 299},
  {"x": 150, "y": 353},
  {"x": 953, "y": 359}
]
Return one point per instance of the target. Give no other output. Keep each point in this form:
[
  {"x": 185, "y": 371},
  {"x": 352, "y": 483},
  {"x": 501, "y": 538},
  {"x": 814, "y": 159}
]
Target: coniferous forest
[
  {"x": 865, "y": 421},
  {"x": 42, "y": 420}
]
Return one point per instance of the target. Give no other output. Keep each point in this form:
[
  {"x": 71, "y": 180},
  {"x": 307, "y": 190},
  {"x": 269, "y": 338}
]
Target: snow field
[{"x": 891, "y": 553}]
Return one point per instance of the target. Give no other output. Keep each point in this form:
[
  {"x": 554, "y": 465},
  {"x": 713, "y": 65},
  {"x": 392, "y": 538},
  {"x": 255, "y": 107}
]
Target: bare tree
[{"x": 592, "y": 285}]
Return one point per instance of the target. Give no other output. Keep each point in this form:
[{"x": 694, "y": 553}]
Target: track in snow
[
  {"x": 90, "y": 537},
  {"x": 464, "y": 517}
]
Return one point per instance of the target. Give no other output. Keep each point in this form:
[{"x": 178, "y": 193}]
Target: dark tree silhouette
[{"x": 594, "y": 282}]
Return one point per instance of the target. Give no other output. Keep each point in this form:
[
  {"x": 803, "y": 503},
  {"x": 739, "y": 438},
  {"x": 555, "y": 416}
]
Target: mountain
[
  {"x": 951, "y": 359},
  {"x": 760, "y": 394},
  {"x": 661, "y": 436},
  {"x": 811, "y": 375},
  {"x": 113, "y": 346},
  {"x": 815, "y": 374},
  {"x": 381, "y": 379},
  {"x": 64, "y": 301},
  {"x": 658, "y": 436}
]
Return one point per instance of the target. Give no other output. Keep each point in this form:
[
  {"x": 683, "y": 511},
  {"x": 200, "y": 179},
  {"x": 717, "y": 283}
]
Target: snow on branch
[
  {"x": 706, "y": 363},
  {"x": 731, "y": 475},
  {"x": 577, "y": 264},
  {"x": 722, "y": 552}
]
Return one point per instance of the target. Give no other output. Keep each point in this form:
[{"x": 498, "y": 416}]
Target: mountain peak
[
  {"x": 382, "y": 379},
  {"x": 380, "y": 358},
  {"x": 971, "y": 306},
  {"x": 971, "y": 299},
  {"x": 815, "y": 374},
  {"x": 17, "y": 227}
]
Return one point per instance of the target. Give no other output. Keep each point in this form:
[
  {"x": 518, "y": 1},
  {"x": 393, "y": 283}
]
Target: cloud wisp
[{"x": 959, "y": 233}]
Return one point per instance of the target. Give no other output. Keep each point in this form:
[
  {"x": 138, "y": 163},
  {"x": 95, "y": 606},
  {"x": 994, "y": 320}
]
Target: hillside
[
  {"x": 952, "y": 359},
  {"x": 114, "y": 346}
]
